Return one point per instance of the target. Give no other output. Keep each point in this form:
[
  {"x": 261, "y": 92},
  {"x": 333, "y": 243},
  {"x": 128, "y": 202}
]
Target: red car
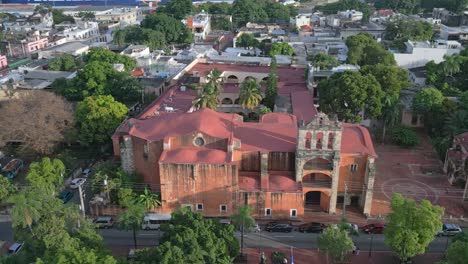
[{"x": 376, "y": 228}]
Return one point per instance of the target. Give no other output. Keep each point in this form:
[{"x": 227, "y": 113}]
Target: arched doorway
[
  {"x": 312, "y": 201},
  {"x": 226, "y": 101},
  {"x": 237, "y": 101},
  {"x": 232, "y": 79},
  {"x": 250, "y": 77}
]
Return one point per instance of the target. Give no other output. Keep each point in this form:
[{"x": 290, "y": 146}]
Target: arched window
[
  {"x": 308, "y": 140},
  {"x": 331, "y": 139},
  {"x": 319, "y": 143}
]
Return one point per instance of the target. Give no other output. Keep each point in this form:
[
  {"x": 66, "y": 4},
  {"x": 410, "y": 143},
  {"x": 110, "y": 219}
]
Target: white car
[{"x": 75, "y": 183}]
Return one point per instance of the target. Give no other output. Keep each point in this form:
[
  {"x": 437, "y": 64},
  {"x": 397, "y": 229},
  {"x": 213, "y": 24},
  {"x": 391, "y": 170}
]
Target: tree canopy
[
  {"x": 408, "y": 29},
  {"x": 138, "y": 35},
  {"x": 411, "y": 227},
  {"x": 281, "y": 48},
  {"x": 427, "y": 100},
  {"x": 250, "y": 95},
  {"x": 105, "y": 55},
  {"x": 417, "y": 6},
  {"x": 189, "y": 238},
  {"x": 38, "y": 120},
  {"x": 59, "y": 17},
  {"x": 179, "y": 8},
  {"x": 364, "y": 50},
  {"x": 323, "y": 61},
  {"x": 64, "y": 62},
  {"x": 348, "y": 93},
  {"x": 247, "y": 40},
  {"x": 6, "y": 188},
  {"x": 173, "y": 30},
  {"x": 336, "y": 243},
  {"x": 47, "y": 173},
  {"x": 392, "y": 79},
  {"x": 98, "y": 117}
]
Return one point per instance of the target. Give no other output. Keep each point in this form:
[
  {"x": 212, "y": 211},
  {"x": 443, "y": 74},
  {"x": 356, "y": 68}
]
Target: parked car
[
  {"x": 280, "y": 228},
  {"x": 376, "y": 228},
  {"x": 311, "y": 227},
  {"x": 75, "y": 183},
  {"x": 15, "y": 248},
  {"x": 104, "y": 222},
  {"x": 450, "y": 230},
  {"x": 65, "y": 196},
  {"x": 86, "y": 172}
]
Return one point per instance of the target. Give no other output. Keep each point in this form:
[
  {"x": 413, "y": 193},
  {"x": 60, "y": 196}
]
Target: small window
[
  {"x": 353, "y": 168},
  {"x": 293, "y": 213},
  {"x": 199, "y": 141},
  {"x": 223, "y": 208},
  {"x": 267, "y": 211},
  {"x": 199, "y": 207}
]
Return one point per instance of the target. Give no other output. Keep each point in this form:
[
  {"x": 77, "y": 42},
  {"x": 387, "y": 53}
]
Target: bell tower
[{"x": 318, "y": 152}]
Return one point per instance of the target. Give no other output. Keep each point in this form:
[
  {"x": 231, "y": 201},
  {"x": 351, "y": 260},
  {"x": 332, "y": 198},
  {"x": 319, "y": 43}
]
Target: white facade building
[
  {"x": 454, "y": 33},
  {"x": 136, "y": 51},
  {"x": 301, "y": 20},
  {"x": 419, "y": 53},
  {"x": 350, "y": 16},
  {"x": 200, "y": 24},
  {"x": 80, "y": 31}
]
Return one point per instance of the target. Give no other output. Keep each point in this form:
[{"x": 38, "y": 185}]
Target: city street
[{"x": 114, "y": 237}]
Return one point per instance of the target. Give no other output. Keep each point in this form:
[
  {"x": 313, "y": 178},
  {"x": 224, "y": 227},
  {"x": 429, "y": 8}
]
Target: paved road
[{"x": 114, "y": 237}]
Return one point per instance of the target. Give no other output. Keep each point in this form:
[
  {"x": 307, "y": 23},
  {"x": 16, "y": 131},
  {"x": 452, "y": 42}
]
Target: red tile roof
[
  {"x": 356, "y": 139},
  {"x": 303, "y": 106},
  {"x": 195, "y": 155}
]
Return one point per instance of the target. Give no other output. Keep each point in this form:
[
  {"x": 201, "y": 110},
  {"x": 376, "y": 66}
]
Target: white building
[
  {"x": 200, "y": 24},
  {"x": 123, "y": 15},
  {"x": 454, "y": 33},
  {"x": 419, "y": 53},
  {"x": 80, "y": 31},
  {"x": 136, "y": 51},
  {"x": 301, "y": 20},
  {"x": 350, "y": 16}
]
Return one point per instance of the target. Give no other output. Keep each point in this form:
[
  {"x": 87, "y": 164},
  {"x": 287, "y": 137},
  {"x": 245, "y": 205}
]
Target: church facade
[{"x": 282, "y": 166}]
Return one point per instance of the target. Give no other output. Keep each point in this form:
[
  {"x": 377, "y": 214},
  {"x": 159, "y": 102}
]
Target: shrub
[
  {"x": 404, "y": 136},
  {"x": 277, "y": 257}
]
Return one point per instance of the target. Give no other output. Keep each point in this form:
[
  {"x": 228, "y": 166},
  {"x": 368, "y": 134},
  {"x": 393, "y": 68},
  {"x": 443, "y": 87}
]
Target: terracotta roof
[
  {"x": 249, "y": 181},
  {"x": 138, "y": 72},
  {"x": 356, "y": 139},
  {"x": 306, "y": 28},
  {"x": 303, "y": 106},
  {"x": 195, "y": 155}
]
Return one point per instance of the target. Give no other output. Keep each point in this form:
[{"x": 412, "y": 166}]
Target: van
[
  {"x": 13, "y": 249},
  {"x": 154, "y": 221},
  {"x": 104, "y": 222}
]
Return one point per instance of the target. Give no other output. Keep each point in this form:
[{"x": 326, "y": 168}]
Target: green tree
[
  {"x": 119, "y": 37},
  {"x": 427, "y": 100},
  {"x": 124, "y": 88},
  {"x": 281, "y": 48},
  {"x": 408, "y": 29},
  {"x": 411, "y": 227},
  {"x": 179, "y": 8},
  {"x": 264, "y": 110},
  {"x": 247, "y": 40},
  {"x": 64, "y": 62},
  {"x": 392, "y": 79},
  {"x": 173, "y": 30},
  {"x": 131, "y": 219},
  {"x": 98, "y": 117},
  {"x": 25, "y": 209},
  {"x": 324, "y": 61},
  {"x": 7, "y": 188},
  {"x": 189, "y": 238},
  {"x": 148, "y": 199},
  {"x": 404, "y": 136},
  {"x": 105, "y": 55},
  {"x": 456, "y": 123},
  {"x": 207, "y": 98},
  {"x": 272, "y": 86},
  {"x": 364, "y": 50},
  {"x": 244, "y": 11},
  {"x": 215, "y": 80},
  {"x": 336, "y": 243},
  {"x": 390, "y": 113},
  {"x": 457, "y": 253},
  {"x": 250, "y": 95},
  {"x": 277, "y": 12},
  {"x": 341, "y": 5},
  {"x": 59, "y": 17},
  {"x": 221, "y": 23},
  {"x": 86, "y": 15},
  {"x": 243, "y": 220},
  {"x": 348, "y": 93},
  {"x": 47, "y": 173},
  {"x": 451, "y": 65}
]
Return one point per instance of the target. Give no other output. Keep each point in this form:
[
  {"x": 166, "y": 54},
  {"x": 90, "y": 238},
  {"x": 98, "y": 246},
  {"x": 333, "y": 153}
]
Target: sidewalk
[{"x": 309, "y": 256}]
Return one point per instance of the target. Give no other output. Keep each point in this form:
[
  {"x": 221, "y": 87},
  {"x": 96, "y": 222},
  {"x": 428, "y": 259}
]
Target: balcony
[
  {"x": 317, "y": 184},
  {"x": 312, "y": 165}
]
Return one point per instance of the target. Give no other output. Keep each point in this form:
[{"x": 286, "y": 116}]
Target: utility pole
[
  {"x": 344, "y": 200},
  {"x": 80, "y": 192}
]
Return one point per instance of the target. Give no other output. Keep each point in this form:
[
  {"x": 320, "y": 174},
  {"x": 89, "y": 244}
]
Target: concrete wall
[{"x": 421, "y": 56}]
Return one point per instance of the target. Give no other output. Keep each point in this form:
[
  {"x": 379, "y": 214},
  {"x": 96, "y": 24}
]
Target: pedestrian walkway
[{"x": 312, "y": 256}]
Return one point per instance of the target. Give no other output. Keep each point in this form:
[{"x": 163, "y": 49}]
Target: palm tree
[
  {"x": 119, "y": 37},
  {"x": 148, "y": 199},
  {"x": 207, "y": 98},
  {"x": 214, "y": 79},
  {"x": 132, "y": 219},
  {"x": 243, "y": 220},
  {"x": 451, "y": 65},
  {"x": 25, "y": 210},
  {"x": 390, "y": 113},
  {"x": 250, "y": 95}
]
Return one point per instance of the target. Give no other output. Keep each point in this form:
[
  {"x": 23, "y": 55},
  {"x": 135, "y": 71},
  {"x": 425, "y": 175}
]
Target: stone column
[
  {"x": 334, "y": 186},
  {"x": 299, "y": 169},
  {"x": 368, "y": 191},
  {"x": 313, "y": 139},
  {"x": 264, "y": 171},
  {"x": 325, "y": 140},
  {"x": 126, "y": 154}
]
